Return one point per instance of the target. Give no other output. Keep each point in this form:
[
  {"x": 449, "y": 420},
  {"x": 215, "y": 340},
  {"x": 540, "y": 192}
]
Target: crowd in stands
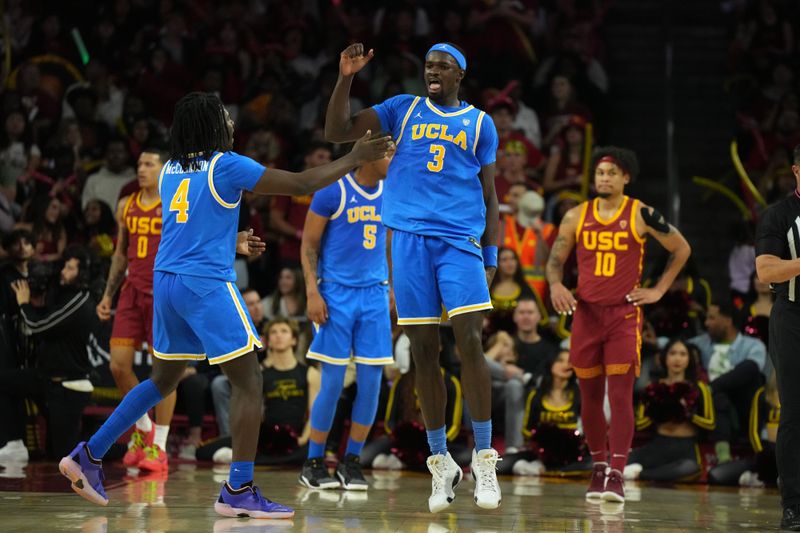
[{"x": 78, "y": 107}]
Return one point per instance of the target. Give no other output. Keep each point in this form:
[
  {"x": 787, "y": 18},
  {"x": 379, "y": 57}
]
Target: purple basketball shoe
[
  {"x": 247, "y": 501},
  {"x": 86, "y": 474}
]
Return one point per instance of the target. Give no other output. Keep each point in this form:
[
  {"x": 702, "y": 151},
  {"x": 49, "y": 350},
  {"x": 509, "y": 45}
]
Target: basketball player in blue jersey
[
  {"x": 343, "y": 252},
  {"x": 440, "y": 203},
  {"x": 197, "y": 311}
]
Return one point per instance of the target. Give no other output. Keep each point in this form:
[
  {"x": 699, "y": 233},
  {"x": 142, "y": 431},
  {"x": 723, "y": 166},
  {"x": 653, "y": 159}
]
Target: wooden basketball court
[{"x": 37, "y": 499}]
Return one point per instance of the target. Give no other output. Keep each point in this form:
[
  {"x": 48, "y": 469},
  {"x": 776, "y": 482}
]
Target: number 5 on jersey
[{"x": 180, "y": 202}]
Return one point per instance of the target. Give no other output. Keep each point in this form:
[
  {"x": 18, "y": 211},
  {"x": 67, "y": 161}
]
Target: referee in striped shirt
[{"x": 777, "y": 263}]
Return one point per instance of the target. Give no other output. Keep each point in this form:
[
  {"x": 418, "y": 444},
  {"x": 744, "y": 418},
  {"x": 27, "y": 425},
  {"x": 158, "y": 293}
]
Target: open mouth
[{"x": 434, "y": 85}]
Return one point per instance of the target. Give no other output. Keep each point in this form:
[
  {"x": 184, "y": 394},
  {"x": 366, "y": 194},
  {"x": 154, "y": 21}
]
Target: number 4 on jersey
[{"x": 180, "y": 202}]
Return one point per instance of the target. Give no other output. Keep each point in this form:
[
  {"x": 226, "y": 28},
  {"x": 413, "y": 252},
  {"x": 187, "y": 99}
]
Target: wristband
[{"x": 490, "y": 256}]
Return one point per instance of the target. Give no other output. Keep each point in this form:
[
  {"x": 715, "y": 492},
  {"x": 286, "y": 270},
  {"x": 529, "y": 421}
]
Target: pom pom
[
  {"x": 557, "y": 447},
  {"x": 670, "y": 402}
]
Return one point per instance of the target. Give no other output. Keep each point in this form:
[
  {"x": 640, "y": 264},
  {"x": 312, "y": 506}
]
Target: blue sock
[
  {"x": 354, "y": 447},
  {"x": 136, "y": 403},
  {"x": 482, "y": 431},
  {"x": 368, "y": 386},
  {"x": 315, "y": 449},
  {"x": 324, "y": 408},
  {"x": 241, "y": 473},
  {"x": 437, "y": 441}
]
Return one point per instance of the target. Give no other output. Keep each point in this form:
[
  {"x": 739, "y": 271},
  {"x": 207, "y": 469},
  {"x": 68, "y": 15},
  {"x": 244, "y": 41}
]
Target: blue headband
[{"x": 449, "y": 49}]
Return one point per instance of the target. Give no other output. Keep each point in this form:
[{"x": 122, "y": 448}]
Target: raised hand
[
  {"x": 352, "y": 59},
  {"x": 369, "y": 148}
]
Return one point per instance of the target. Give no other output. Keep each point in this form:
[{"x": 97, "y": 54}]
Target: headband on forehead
[
  {"x": 449, "y": 49},
  {"x": 613, "y": 161}
]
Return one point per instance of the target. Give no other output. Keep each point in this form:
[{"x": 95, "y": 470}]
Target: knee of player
[{"x": 120, "y": 369}]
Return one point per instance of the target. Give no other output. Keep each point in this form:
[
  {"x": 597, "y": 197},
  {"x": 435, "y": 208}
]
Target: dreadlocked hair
[
  {"x": 198, "y": 130},
  {"x": 626, "y": 158}
]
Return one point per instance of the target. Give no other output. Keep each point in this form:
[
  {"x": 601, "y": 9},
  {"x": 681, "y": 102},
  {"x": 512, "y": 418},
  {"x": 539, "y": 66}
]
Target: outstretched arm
[
  {"x": 563, "y": 300},
  {"x": 671, "y": 239},
  {"x": 340, "y": 126},
  {"x": 274, "y": 181}
]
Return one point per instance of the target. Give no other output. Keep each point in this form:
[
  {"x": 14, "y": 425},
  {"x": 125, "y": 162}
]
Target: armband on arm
[{"x": 655, "y": 220}]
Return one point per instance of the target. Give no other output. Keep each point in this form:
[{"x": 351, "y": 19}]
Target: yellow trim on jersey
[
  {"x": 341, "y": 361},
  {"x": 478, "y": 131},
  {"x": 554, "y": 409},
  {"x": 405, "y": 120},
  {"x": 584, "y": 210},
  {"x": 213, "y": 190},
  {"x": 250, "y": 335},
  {"x": 455, "y": 429},
  {"x": 251, "y": 345},
  {"x": 418, "y": 321},
  {"x": 469, "y": 308},
  {"x": 451, "y": 114},
  {"x": 142, "y": 206},
  {"x": 527, "y": 416},
  {"x": 161, "y": 176},
  {"x": 639, "y": 238},
  {"x": 375, "y": 361},
  {"x": 614, "y": 217},
  {"x": 707, "y": 420},
  {"x": 361, "y": 191},
  {"x": 753, "y": 433},
  {"x": 179, "y": 356},
  {"x": 127, "y": 206},
  {"x": 641, "y": 420},
  {"x": 342, "y": 201}
]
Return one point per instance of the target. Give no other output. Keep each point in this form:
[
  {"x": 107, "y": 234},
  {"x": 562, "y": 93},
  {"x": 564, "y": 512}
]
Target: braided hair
[{"x": 199, "y": 128}]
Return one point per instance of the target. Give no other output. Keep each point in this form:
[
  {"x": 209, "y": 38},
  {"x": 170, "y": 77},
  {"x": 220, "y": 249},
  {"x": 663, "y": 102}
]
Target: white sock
[
  {"x": 144, "y": 424},
  {"x": 160, "y": 438},
  {"x": 15, "y": 444}
]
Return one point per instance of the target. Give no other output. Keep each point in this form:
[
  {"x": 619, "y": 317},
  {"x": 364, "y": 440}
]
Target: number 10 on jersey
[{"x": 606, "y": 264}]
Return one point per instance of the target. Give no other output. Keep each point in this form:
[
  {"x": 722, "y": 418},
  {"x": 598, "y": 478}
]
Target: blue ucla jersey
[
  {"x": 201, "y": 215},
  {"x": 433, "y": 187},
  {"x": 353, "y": 248}
]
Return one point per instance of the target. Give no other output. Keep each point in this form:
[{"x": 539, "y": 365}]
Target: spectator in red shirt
[
  {"x": 288, "y": 213},
  {"x": 503, "y": 111}
]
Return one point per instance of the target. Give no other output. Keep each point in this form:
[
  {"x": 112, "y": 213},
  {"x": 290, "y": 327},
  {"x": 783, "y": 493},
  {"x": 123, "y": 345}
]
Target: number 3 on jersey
[
  {"x": 180, "y": 202},
  {"x": 438, "y": 158}
]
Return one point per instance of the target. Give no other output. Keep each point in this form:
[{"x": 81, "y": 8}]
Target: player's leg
[
  {"x": 156, "y": 457},
  {"x": 83, "y": 466},
  {"x": 129, "y": 331},
  {"x": 419, "y": 312},
  {"x": 585, "y": 356},
  {"x": 331, "y": 346},
  {"x": 621, "y": 366},
  {"x": 372, "y": 348},
  {"x": 217, "y": 315},
  {"x": 462, "y": 283}
]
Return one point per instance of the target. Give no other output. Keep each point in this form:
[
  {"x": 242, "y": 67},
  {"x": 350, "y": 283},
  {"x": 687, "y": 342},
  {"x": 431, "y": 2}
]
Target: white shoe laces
[
  {"x": 485, "y": 472},
  {"x": 437, "y": 468}
]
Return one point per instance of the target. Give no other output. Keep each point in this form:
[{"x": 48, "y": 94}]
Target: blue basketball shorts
[
  {"x": 198, "y": 318},
  {"x": 429, "y": 272},
  {"x": 358, "y": 324}
]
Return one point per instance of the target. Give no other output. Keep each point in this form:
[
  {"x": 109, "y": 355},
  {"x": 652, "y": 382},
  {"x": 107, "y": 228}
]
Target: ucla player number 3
[
  {"x": 438, "y": 158},
  {"x": 180, "y": 202}
]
